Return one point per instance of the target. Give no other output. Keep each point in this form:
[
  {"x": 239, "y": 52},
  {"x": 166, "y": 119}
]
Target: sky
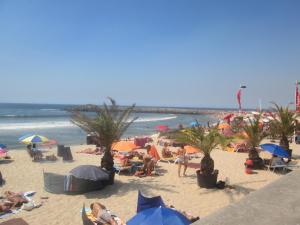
[{"x": 192, "y": 53}]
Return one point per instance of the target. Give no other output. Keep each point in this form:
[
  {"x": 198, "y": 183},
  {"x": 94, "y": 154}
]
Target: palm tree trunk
[
  {"x": 207, "y": 165},
  {"x": 107, "y": 160},
  {"x": 253, "y": 154},
  {"x": 284, "y": 143}
]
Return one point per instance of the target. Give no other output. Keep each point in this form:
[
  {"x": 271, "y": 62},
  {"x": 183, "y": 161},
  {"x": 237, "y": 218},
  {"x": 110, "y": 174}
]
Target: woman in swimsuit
[{"x": 182, "y": 160}]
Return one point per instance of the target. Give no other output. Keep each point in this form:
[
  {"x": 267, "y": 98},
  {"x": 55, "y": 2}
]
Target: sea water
[{"x": 53, "y": 121}]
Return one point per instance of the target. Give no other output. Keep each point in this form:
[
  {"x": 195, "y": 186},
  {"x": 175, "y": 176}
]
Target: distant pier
[{"x": 146, "y": 109}]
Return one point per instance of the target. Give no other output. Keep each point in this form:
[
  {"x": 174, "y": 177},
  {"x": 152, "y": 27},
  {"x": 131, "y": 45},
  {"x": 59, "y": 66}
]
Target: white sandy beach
[{"x": 24, "y": 175}]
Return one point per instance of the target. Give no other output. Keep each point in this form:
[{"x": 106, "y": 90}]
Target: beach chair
[
  {"x": 67, "y": 154},
  {"x": 60, "y": 150},
  {"x": 85, "y": 219}
]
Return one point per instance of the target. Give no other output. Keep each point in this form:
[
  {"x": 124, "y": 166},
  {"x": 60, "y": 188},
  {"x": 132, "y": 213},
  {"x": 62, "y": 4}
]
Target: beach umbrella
[
  {"x": 191, "y": 150},
  {"x": 224, "y": 126},
  {"x": 27, "y": 139},
  {"x": 162, "y": 128},
  {"x": 194, "y": 124},
  {"x": 228, "y": 117},
  {"x": 3, "y": 146},
  {"x": 159, "y": 216},
  {"x": 89, "y": 172},
  {"x": 275, "y": 150},
  {"x": 125, "y": 146}
]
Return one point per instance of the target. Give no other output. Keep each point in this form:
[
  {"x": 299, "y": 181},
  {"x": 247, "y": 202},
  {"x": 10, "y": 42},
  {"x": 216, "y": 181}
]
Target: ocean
[{"x": 53, "y": 121}]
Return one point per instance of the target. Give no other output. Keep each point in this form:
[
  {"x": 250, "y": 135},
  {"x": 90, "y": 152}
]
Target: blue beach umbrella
[
  {"x": 275, "y": 150},
  {"x": 194, "y": 124},
  {"x": 3, "y": 146},
  {"x": 159, "y": 216}
]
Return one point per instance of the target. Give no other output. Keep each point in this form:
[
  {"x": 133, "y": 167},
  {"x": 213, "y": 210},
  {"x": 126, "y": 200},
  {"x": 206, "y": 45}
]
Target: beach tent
[
  {"x": 125, "y": 146},
  {"x": 86, "y": 178},
  {"x": 159, "y": 216},
  {"x": 144, "y": 203}
]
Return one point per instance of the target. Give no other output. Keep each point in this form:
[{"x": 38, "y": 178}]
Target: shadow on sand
[{"x": 120, "y": 188}]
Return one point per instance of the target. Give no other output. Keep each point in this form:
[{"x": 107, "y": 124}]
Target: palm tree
[
  {"x": 284, "y": 124},
  {"x": 254, "y": 135},
  {"x": 197, "y": 137},
  {"x": 108, "y": 125}
]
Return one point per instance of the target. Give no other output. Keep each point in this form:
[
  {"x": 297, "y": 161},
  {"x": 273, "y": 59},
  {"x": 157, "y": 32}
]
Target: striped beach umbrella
[{"x": 27, "y": 139}]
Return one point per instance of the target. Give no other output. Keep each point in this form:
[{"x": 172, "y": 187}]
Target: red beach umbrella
[{"x": 162, "y": 128}]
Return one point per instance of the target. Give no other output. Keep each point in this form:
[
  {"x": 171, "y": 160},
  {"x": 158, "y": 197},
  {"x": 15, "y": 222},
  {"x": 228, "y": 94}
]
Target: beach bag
[{"x": 220, "y": 184}]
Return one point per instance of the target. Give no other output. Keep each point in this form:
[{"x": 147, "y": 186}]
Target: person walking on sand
[{"x": 182, "y": 160}]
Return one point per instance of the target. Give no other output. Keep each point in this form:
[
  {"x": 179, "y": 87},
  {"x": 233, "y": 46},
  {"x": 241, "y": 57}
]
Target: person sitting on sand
[
  {"x": 165, "y": 152},
  {"x": 37, "y": 154},
  {"x": 182, "y": 160},
  {"x": 103, "y": 216}
]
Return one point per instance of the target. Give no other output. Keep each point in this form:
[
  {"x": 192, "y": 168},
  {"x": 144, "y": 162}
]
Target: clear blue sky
[{"x": 158, "y": 52}]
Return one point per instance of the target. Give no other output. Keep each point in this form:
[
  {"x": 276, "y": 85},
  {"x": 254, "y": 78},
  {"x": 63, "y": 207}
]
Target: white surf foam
[
  {"x": 154, "y": 119},
  {"x": 36, "y": 125}
]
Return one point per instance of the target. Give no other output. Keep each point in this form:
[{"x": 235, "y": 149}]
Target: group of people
[{"x": 34, "y": 153}]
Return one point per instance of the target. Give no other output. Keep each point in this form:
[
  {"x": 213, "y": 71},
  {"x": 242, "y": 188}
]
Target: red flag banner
[{"x": 238, "y": 95}]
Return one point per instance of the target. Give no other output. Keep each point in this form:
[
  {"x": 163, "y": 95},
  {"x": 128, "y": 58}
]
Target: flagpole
[{"x": 296, "y": 96}]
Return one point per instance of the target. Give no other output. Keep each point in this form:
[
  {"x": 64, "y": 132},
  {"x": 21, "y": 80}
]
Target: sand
[{"x": 24, "y": 175}]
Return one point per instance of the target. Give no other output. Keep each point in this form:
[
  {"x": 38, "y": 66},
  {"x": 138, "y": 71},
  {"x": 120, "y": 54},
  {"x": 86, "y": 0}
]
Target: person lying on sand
[
  {"x": 15, "y": 198},
  {"x": 186, "y": 214},
  {"x": 103, "y": 215},
  {"x": 96, "y": 151}
]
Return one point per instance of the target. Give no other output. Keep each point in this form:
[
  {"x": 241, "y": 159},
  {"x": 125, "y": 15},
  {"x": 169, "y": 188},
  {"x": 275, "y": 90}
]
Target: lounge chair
[
  {"x": 119, "y": 168},
  {"x": 168, "y": 160}
]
